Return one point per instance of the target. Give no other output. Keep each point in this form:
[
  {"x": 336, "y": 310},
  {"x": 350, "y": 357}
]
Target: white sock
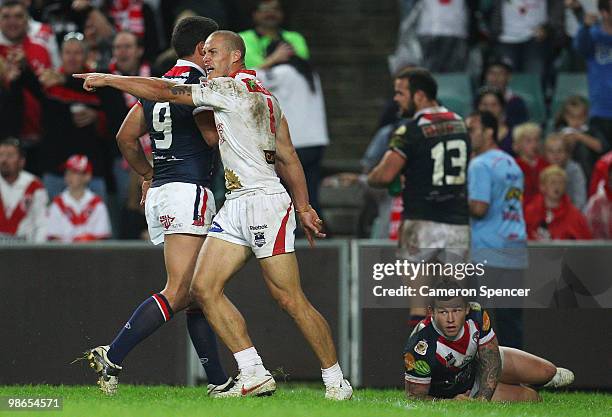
[
  {"x": 249, "y": 362},
  {"x": 332, "y": 376}
]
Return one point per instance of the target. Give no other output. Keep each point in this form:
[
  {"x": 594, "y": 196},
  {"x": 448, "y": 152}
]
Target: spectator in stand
[
  {"x": 572, "y": 122},
  {"x": 73, "y": 120},
  {"x": 40, "y": 33},
  {"x": 599, "y": 211},
  {"x": 594, "y": 42},
  {"x": 499, "y": 238},
  {"x": 497, "y": 74},
  {"x": 14, "y": 28},
  {"x": 23, "y": 199},
  {"x": 526, "y": 143},
  {"x": 492, "y": 100},
  {"x": 77, "y": 214},
  {"x": 445, "y": 29},
  {"x": 267, "y": 18},
  {"x": 551, "y": 214},
  {"x": 298, "y": 89},
  {"x": 599, "y": 177},
  {"x": 528, "y": 32},
  {"x": 556, "y": 150}
]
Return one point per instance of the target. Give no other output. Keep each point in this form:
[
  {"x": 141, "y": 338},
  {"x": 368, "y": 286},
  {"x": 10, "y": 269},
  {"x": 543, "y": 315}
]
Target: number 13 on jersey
[{"x": 456, "y": 151}]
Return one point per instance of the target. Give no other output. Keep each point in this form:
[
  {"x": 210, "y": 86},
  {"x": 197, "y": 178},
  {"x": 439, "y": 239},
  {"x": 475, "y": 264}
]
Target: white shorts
[
  {"x": 264, "y": 222},
  {"x": 178, "y": 207},
  {"x": 424, "y": 240}
]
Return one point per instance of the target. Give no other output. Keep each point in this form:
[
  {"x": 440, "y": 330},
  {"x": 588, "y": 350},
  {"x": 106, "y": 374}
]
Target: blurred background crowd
[{"x": 542, "y": 67}]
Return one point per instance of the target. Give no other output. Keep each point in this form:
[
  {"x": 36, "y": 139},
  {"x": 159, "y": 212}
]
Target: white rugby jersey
[
  {"x": 22, "y": 208},
  {"x": 81, "y": 220},
  {"x": 247, "y": 118}
]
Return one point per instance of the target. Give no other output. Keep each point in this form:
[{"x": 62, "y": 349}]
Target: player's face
[
  {"x": 10, "y": 161},
  {"x": 217, "y": 57},
  {"x": 553, "y": 187},
  {"x": 73, "y": 56},
  {"x": 13, "y": 22},
  {"x": 497, "y": 76},
  {"x": 76, "y": 180},
  {"x": 126, "y": 52},
  {"x": 450, "y": 316},
  {"x": 476, "y": 133},
  {"x": 402, "y": 97}
]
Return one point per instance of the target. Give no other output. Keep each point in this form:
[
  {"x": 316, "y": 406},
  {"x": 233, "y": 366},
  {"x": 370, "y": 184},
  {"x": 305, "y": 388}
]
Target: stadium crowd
[{"x": 55, "y": 121}]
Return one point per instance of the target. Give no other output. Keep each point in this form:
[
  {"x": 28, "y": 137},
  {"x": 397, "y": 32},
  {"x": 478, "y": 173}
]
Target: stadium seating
[
  {"x": 528, "y": 86},
  {"x": 569, "y": 84},
  {"x": 455, "y": 92}
]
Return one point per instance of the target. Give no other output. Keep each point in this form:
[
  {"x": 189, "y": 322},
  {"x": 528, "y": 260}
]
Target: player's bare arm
[
  {"x": 387, "y": 169},
  {"x": 478, "y": 209},
  {"x": 132, "y": 128},
  {"x": 489, "y": 362},
  {"x": 417, "y": 391},
  {"x": 148, "y": 88},
  {"x": 206, "y": 124},
  {"x": 289, "y": 168}
]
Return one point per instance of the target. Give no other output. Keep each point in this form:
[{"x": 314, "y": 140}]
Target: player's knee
[
  {"x": 549, "y": 370},
  {"x": 178, "y": 298},
  {"x": 201, "y": 294},
  {"x": 287, "y": 302}
]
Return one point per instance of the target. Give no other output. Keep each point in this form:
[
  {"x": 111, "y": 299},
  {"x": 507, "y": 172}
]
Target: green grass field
[{"x": 290, "y": 401}]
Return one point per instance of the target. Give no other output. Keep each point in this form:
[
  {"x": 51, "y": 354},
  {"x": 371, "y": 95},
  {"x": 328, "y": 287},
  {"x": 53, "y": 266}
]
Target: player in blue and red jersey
[
  {"x": 454, "y": 353},
  {"x": 179, "y": 207}
]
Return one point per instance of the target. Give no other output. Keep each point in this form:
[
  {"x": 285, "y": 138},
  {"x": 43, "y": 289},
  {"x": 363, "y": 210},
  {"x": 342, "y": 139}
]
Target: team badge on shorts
[
  {"x": 166, "y": 221},
  {"x": 260, "y": 239},
  {"x": 421, "y": 347}
]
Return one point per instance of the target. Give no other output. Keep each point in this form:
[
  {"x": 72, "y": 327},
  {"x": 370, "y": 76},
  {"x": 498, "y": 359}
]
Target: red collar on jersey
[{"x": 246, "y": 71}]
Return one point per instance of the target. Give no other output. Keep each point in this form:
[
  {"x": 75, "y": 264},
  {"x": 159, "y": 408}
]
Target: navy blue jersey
[
  {"x": 450, "y": 367},
  {"x": 437, "y": 148},
  {"x": 180, "y": 153}
]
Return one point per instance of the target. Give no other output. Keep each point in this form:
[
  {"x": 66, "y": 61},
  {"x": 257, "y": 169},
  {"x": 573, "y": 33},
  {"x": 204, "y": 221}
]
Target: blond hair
[
  {"x": 522, "y": 130},
  {"x": 551, "y": 171},
  {"x": 554, "y": 137}
]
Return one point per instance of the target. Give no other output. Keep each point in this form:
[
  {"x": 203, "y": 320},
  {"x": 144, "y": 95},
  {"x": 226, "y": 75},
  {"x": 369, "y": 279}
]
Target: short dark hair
[
  {"x": 487, "y": 121},
  {"x": 450, "y": 285},
  {"x": 486, "y": 90},
  {"x": 190, "y": 31},
  {"x": 11, "y": 141},
  {"x": 11, "y": 3},
  {"x": 419, "y": 79},
  {"x": 603, "y": 5}
]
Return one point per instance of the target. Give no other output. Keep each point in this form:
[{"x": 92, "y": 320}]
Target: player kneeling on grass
[{"x": 454, "y": 353}]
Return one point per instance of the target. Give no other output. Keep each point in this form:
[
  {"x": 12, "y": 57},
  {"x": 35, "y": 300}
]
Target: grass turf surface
[{"x": 289, "y": 401}]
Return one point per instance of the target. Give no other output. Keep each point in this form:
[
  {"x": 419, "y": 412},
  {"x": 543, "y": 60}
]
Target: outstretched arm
[
  {"x": 148, "y": 88},
  {"x": 290, "y": 169},
  {"x": 489, "y": 361},
  {"x": 387, "y": 169}
]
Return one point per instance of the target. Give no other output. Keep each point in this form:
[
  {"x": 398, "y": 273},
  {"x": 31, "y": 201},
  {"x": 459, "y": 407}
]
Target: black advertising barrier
[
  {"x": 568, "y": 320},
  {"x": 58, "y": 300}
]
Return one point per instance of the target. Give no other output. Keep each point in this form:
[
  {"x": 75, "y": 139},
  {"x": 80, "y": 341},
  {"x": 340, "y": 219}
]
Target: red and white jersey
[
  {"x": 42, "y": 34},
  {"x": 22, "y": 208},
  {"x": 72, "y": 220},
  {"x": 247, "y": 118}
]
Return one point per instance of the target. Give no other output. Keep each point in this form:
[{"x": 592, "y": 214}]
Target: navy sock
[
  {"x": 205, "y": 343},
  {"x": 148, "y": 317}
]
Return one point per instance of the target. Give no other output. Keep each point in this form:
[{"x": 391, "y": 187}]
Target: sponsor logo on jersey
[
  {"x": 232, "y": 182},
  {"x": 475, "y": 336},
  {"x": 221, "y": 131},
  {"x": 400, "y": 130},
  {"x": 258, "y": 227},
  {"x": 199, "y": 221},
  {"x": 215, "y": 227},
  {"x": 128, "y": 325},
  {"x": 409, "y": 361},
  {"x": 486, "y": 322},
  {"x": 514, "y": 193},
  {"x": 166, "y": 221},
  {"x": 421, "y": 347},
  {"x": 422, "y": 368},
  {"x": 450, "y": 359},
  {"x": 260, "y": 239},
  {"x": 270, "y": 156}
]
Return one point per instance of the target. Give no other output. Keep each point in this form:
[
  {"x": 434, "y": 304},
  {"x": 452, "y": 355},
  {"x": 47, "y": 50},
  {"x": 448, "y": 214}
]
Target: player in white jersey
[
  {"x": 257, "y": 217},
  {"x": 23, "y": 198}
]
